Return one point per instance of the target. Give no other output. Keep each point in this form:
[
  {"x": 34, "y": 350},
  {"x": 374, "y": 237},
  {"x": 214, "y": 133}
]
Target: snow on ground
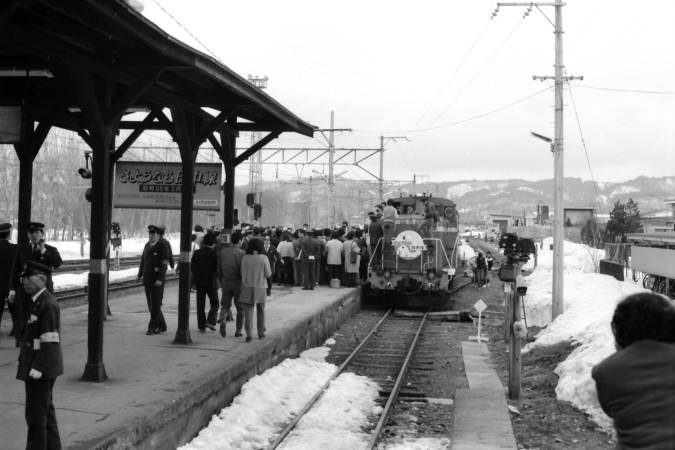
[
  {"x": 269, "y": 401},
  {"x": 70, "y": 250},
  {"x": 589, "y": 302},
  {"x": 464, "y": 251}
]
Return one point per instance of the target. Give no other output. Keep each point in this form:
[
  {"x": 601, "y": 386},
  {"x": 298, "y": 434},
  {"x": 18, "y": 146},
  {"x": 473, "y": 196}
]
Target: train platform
[{"x": 158, "y": 394}]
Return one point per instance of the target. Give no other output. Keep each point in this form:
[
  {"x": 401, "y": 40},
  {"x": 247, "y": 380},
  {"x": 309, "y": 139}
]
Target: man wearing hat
[
  {"x": 34, "y": 250},
  {"x": 153, "y": 272},
  {"x": 7, "y": 259},
  {"x": 40, "y": 360}
]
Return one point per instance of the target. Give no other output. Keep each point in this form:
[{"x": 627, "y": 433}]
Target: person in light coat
[
  {"x": 334, "y": 252},
  {"x": 255, "y": 270},
  {"x": 350, "y": 246}
]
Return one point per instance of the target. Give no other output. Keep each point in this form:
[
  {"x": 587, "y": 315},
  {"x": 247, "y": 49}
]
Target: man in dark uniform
[
  {"x": 153, "y": 272},
  {"x": 309, "y": 248},
  {"x": 34, "y": 250},
  {"x": 166, "y": 242},
  {"x": 40, "y": 360},
  {"x": 7, "y": 258}
]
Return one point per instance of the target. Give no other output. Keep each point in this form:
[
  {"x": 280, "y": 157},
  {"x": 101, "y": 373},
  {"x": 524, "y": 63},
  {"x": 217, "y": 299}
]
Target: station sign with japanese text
[{"x": 157, "y": 185}]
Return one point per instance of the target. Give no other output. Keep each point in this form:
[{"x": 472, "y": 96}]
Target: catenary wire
[
  {"x": 452, "y": 77},
  {"x": 634, "y": 91},
  {"x": 459, "y": 94},
  {"x": 458, "y": 122},
  {"x": 583, "y": 141},
  {"x": 184, "y": 28}
]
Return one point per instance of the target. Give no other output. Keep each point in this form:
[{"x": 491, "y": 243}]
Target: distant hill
[{"x": 286, "y": 203}]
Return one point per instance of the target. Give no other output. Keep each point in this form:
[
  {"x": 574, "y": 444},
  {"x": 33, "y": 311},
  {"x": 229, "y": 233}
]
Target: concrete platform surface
[
  {"x": 159, "y": 394},
  {"x": 481, "y": 416}
]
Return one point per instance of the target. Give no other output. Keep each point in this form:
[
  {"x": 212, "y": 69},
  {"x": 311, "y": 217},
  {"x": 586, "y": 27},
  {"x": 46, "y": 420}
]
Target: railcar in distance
[{"x": 417, "y": 264}]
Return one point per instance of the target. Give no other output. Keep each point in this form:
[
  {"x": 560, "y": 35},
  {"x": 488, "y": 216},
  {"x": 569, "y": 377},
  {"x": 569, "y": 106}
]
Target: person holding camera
[
  {"x": 38, "y": 251},
  {"x": 636, "y": 385}
]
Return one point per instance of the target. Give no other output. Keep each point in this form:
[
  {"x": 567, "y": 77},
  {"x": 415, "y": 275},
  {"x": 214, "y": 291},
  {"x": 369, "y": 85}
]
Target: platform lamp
[{"x": 85, "y": 172}]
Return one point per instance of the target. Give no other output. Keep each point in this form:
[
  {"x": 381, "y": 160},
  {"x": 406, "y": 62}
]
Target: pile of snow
[
  {"x": 464, "y": 251},
  {"x": 130, "y": 247},
  {"x": 589, "y": 302},
  {"x": 271, "y": 400}
]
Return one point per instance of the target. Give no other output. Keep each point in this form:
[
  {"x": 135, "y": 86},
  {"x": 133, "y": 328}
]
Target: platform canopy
[{"x": 44, "y": 43}]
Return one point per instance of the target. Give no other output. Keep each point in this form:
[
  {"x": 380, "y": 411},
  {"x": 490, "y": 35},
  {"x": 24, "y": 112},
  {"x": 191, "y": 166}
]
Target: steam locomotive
[{"x": 417, "y": 262}]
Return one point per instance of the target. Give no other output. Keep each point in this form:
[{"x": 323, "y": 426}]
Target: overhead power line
[
  {"x": 185, "y": 28},
  {"x": 468, "y": 119},
  {"x": 459, "y": 94},
  {"x": 634, "y": 91},
  {"x": 452, "y": 77},
  {"x": 583, "y": 141}
]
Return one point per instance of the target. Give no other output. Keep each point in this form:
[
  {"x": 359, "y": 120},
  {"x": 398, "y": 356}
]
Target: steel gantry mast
[
  {"x": 557, "y": 305},
  {"x": 255, "y": 167}
]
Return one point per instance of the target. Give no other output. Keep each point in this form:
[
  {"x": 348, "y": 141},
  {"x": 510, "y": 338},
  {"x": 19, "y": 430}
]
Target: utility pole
[
  {"x": 309, "y": 204},
  {"x": 331, "y": 178},
  {"x": 414, "y": 185},
  {"x": 331, "y": 161},
  {"x": 557, "y": 302},
  {"x": 381, "y": 179}
]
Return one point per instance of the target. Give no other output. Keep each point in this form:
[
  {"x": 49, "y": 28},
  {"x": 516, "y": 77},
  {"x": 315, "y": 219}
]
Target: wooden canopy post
[
  {"x": 184, "y": 126},
  {"x": 94, "y": 102},
  {"x": 26, "y": 151},
  {"x": 227, "y": 153}
]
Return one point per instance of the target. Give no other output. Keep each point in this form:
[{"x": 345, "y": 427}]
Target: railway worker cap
[
  {"x": 5, "y": 227},
  {"x": 35, "y": 268},
  {"x": 153, "y": 229},
  {"x": 35, "y": 226}
]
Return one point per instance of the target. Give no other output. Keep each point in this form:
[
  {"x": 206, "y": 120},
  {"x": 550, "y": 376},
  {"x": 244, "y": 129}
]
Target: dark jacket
[
  {"x": 168, "y": 250},
  {"x": 204, "y": 268},
  {"x": 309, "y": 248},
  {"x": 41, "y": 342},
  {"x": 50, "y": 258},
  {"x": 7, "y": 261},
  {"x": 273, "y": 256},
  {"x": 153, "y": 263},
  {"x": 636, "y": 388}
]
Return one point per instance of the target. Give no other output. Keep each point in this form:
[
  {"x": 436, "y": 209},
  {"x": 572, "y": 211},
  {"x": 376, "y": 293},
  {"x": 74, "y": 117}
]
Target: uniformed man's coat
[
  {"x": 153, "y": 263},
  {"x": 50, "y": 258},
  {"x": 41, "y": 342},
  {"x": 7, "y": 261}
]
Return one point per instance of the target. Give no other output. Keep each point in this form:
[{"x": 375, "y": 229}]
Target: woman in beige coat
[
  {"x": 352, "y": 252},
  {"x": 255, "y": 269}
]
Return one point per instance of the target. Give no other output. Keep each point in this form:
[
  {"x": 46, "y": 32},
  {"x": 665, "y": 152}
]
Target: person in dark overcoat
[
  {"x": 203, "y": 266},
  {"x": 34, "y": 250},
  {"x": 7, "y": 261},
  {"x": 309, "y": 249},
  {"x": 153, "y": 273},
  {"x": 636, "y": 385},
  {"x": 274, "y": 258},
  {"x": 40, "y": 359}
]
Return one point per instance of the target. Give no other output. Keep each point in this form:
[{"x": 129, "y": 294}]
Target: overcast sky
[{"x": 421, "y": 69}]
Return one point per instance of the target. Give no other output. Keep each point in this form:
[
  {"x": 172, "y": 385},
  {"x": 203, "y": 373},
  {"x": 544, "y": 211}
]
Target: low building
[{"x": 578, "y": 216}]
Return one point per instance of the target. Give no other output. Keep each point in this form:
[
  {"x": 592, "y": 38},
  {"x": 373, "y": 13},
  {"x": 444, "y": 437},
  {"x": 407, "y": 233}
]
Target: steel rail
[
  {"x": 397, "y": 387},
  {"x": 284, "y": 433}
]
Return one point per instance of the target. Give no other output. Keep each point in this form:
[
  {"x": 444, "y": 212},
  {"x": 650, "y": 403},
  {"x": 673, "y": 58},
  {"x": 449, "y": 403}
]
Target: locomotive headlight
[
  {"x": 387, "y": 274},
  {"x": 431, "y": 275}
]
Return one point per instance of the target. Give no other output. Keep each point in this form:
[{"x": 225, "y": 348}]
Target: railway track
[
  {"x": 76, "y": 265},
  {"x": 79, "y": 294},
  {"x": 384, "y": 355}
]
